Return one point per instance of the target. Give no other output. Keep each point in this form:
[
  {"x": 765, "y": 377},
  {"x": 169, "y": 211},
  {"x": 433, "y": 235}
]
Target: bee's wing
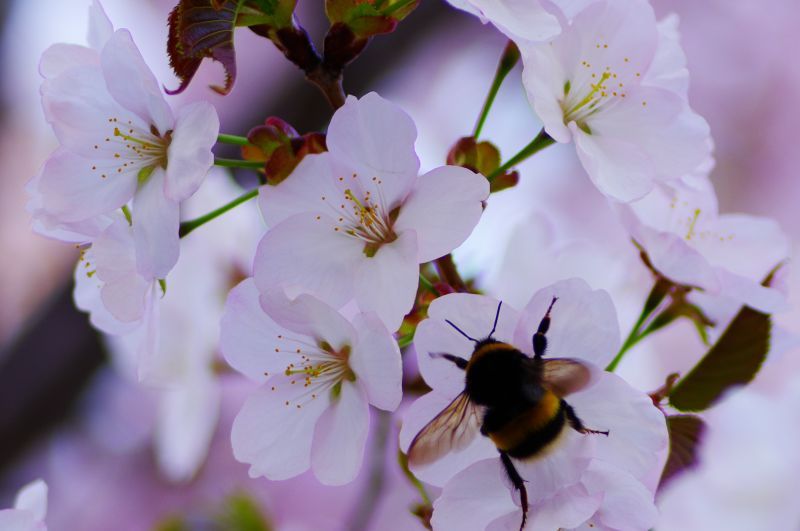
[
  {"x": 452, "y": 429},
  {"x": 564, "y": 376}
]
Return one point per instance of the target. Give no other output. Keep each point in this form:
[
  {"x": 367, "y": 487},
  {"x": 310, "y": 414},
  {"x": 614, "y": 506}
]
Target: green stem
[
  {"x": 233, "y": 139},
  {"x": 428, "y": 285},
  {"x": 406, "y": 340},
  {"x": 189, "y": 226},
  {"x": 541, "y": 141},
  {"x": 236, "y": 163},
  {"x": 396, "y": 7},
  {"x": 402, "y": 459},
  {"x": 504, "y": 66},
  {"x": 630, "y": 341}
]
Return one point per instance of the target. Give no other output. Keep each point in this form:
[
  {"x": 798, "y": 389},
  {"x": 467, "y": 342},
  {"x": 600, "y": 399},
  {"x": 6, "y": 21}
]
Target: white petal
[
  {"x": 387, "y": 282},
  {"x": 33, "y": 497},
  {"x": 583, "y": 323},
  {"x": 304, "y": 254},
  {"x": 376, "y": 361},
  {"x": 60, "y": 57},
  {"x": 618, "y": 168},
  {"x": 668, "y": 69},
  {"x": 131, "y": 82},
  {"x": 189, "y": 154},
  {"x": 422, "y": 411},
  {"x": 340, "y": 436},
  {"x": 72, "y": 191},
  {"x": 474, "y": 315},
  {"x": 309, "y": 316},
  {"x": 637, "y": 429},
  {"x": 474, "y": 499},
  {"x": 559, "y": 466},
  {"x": 564, "y": 510},
  {"x": 627, "y": 504},
  {"x": 520, "y": 19},
  {"x": 86, "y": 295},
  {"x": 443, "y": 209},
  {"x": 100, "y": 27},
  {"x": 14, "y": 520},
  {"x": 248, "y": 337},
  {"x": 156, "y": 220},
  {"x": 310, "y": 188},
  {"x": 275, "y": 438},
  {"x": 376, "y": 138}
]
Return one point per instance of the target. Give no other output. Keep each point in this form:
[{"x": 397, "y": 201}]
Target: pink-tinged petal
[
  {"x": 387, "y": 282},
  {"x": 376, "y": 138},
  {"x": 668, "y": 69},
  {"x": 474, "y": 315},
  {"x": 305, "y": 254},
  {"x": 618, "y": 168},
  {"x": 156, "y": 220},
  {"x": 520, "y": 19},
  {"x": 309, "y": 188},
  {"x": 474, "y": 498},
  {"x": 71, "y": 191},
  {"x": 308, "y": 316},
  {"x": 186, "y": 423},
  {"x": 131, "y": 82},
  {"x": 443, "y": 208},
  {"x": 583, "y": 323},
  {"x": 189, "y": 154},
  {"x": 376, "y": 361},
  {"x": 545, "y": 91},
  {"x": 19, "y": 520},
  {"x": 100, "y": 27},
  {"x": 33, "y": 497},
  {"x": 86, "y": 295},
  {"x": 340, "y": 436},
  {"x": 637, "y": 429},
  {"x": 751, "y": 292},
  {"x": 60, "y": 57},
  {"x": 126, "y": 298},
  {"x": 248, "y": 337},
  {"x": 273, "y": 437},
  {"x": 150, "y": 364},
  {"x": 627, "y": 505},
  {"x": 566, "y": 509},
  {"x": 560, "y": 466},
  {"x": 422, "y": 411},
  {"x": 674, "y": 258},
  {"x": 79, "y": 107}
]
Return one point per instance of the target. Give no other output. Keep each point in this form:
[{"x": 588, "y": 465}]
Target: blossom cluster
[{"x": 350, "y": 268}]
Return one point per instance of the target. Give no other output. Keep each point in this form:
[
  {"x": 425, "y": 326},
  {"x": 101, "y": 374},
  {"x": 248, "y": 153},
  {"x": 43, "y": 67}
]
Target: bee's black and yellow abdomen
[{"x": 532, "y": 430}]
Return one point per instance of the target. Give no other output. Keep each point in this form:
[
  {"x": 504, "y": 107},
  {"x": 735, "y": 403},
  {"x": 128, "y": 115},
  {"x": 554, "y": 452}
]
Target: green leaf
[
  {"x": 684, "y": 436},
  {"x": 735, "y": 359},
  {"x": 200, "y": 29}
]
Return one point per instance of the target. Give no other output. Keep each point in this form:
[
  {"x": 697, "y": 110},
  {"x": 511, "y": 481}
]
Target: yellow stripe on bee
[
  {"x": 529, "y": 422},
  {"x": 489, "y": 347}
]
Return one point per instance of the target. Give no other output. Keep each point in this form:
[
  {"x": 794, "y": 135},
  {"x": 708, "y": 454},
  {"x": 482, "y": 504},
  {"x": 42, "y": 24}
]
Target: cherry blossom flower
[
  {"x": 119, "y": 142},
  {"x": 356, "y": 222},
  {"x": 30, "y": 508},
  {"x": 319, "y": 372},
  {"x": 584, "y": 479},
  {"x": 615, "y": 81},
  {"x": 690, "y": 243}
]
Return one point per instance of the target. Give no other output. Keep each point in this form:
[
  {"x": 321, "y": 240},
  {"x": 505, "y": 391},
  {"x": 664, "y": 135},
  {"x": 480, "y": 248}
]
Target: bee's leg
[
  {"x": 576, "y": 423},
  {"x": 539, "y": 339},
  {"x": 461, "y": 363},
  {"x": 518, "y": 483}
]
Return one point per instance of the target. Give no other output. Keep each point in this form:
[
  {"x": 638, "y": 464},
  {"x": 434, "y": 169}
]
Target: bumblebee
[{"x": 514, "y": 399}]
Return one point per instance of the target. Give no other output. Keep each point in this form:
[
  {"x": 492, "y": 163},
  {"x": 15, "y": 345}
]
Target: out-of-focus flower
[
  {"x": 691, "y": 244},
  {"x": 120, "y": 140},
  {"x": 615, "y": 81},
  {"x": 319, "y": 373},
  {"x": 597, "y": 480},
  {"x": 356, "y": 222},
  {"x": 30, "y": 508},
  {"x": 747, "y": 474}
]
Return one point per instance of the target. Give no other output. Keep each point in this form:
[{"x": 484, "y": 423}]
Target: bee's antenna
[
  {"x": 448, "y": 321},
  {"x": 496, "y": 317}
]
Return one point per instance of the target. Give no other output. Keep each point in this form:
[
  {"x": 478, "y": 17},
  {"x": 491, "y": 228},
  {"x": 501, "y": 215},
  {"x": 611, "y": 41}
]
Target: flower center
[
  {"x": 365, "y": 216},
  {"x": 594, "y": 89},
  {"x": 319, "y": 367},
  {"x": 130, "y": 146}
]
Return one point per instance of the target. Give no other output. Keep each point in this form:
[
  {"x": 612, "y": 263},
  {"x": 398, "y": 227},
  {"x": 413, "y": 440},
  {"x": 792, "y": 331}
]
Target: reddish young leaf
[
  {"x": 200, "y": 29},
  {"x": 684, "y": 436}
]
